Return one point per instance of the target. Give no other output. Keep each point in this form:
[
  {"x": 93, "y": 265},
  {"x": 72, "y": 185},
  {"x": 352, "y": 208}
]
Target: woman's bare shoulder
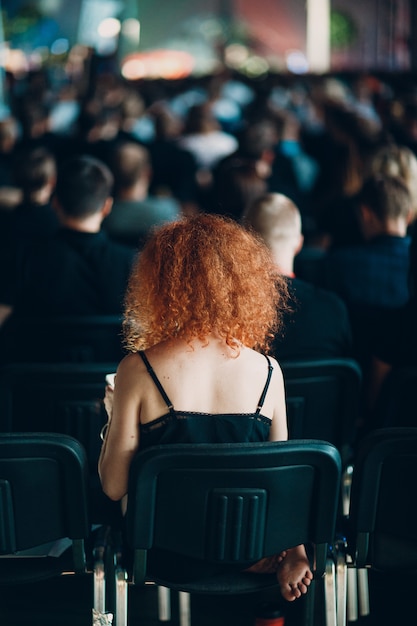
[
  {"x": 262, "y": 358},
  {"x": 130, "y": 365},
  {"x": 275, "y": 365}
]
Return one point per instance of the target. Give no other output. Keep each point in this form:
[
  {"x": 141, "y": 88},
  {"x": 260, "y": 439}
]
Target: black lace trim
[{"x": 169, "y": 417}]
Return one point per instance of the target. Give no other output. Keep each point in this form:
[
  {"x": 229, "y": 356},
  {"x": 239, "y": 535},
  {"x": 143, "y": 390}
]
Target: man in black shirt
[
  {"x": 77, "y": 270},
  {"x": 317, "y": 327}
]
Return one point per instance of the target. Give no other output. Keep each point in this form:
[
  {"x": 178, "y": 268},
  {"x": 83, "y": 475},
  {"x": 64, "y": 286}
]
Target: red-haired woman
[{"x": 203, "y": 301}]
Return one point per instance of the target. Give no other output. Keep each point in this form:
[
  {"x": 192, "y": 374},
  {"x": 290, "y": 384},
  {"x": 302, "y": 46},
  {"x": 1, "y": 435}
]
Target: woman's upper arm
[
  {"x": 279, "y": 428},
  {"x": 122, "y": 437}
]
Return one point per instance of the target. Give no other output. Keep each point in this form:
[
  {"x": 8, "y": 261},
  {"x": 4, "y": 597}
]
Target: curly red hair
[{"x": 201, "y": 275}]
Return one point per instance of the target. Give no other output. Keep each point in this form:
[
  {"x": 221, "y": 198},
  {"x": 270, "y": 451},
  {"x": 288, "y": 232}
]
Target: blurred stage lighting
[{"x": 165, "y": 64}]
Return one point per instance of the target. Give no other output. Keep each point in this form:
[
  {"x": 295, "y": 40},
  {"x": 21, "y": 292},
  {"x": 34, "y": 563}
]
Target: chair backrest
[
  {"x": 70, "y": 339},
  {"x": 383, "y": 508},
  {"x": 323, "y": 399},
  {"x": 61, "y": 398},
  {"x": 43, "y": 490},
  {"x": 396, "y": 405},
  {"x": 233, "y": 503}
]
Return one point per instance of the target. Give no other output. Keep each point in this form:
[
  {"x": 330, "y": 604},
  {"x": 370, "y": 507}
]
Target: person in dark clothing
[
  {"x": 135, "y": 211},
  {"x": 317, "y": 326},
  {"x": 78, "y": 270},
  {"x": 174, "y": 170},
  {"x": 8, "y": 140},
  {"x": 255, "y": 168},
  {"x": 373, "y": 276},
  {"x": 35, "y": 175},
  {"x": 393, "y": 344}
]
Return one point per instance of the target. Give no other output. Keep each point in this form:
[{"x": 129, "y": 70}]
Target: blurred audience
[
  {"x": 174, "y": 169},
  {"x": 203, "y": 137},
  {"x": 342, "y": 150}
]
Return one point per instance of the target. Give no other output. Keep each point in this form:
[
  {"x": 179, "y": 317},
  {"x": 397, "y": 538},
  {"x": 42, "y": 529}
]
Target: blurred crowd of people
[{"x": 323, "y": 168}]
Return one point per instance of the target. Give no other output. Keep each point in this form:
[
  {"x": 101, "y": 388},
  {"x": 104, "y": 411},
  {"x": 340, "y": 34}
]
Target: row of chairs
[
  {"x": 98, "y": 339},
  {"x": 322, "y": 399},
  {"x": 322, "y": 403},
  {"x": 226, "y": 504},
  {"x": 59, "y": 339}
]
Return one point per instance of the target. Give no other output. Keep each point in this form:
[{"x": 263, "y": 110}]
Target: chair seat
[
  {"x": 225, "y": 583},
  {"x": 22, "y": 570}
]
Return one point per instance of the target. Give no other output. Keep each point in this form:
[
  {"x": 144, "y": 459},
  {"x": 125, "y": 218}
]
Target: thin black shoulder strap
[
  {"x": 156, "y": 380},
  {"x": 265, "y": 390}
]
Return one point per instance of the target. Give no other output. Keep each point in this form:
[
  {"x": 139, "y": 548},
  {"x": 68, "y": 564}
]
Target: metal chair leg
[
  {"x": 352, "y": 595},
  {"x": 346, "y": 489},
  {"x": 341, "y": 585},
  {"x": 99, "y": 571},
  {"x": 363, "y": 592},
  {"x": 99, "y": 587},
  {"x": 184, "y": 606},
  {"x": 164, "y": 604},
  {"x": 330, "y": 593},
  {"x": 121, "y": 588}
]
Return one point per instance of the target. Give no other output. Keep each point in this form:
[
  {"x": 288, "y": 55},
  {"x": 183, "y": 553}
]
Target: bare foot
[
  {"x": 267, "y": 565},
  {"x": 294, "y": 574}
]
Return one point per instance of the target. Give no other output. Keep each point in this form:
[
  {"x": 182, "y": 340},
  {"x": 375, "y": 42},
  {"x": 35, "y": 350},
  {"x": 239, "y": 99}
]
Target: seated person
[
  {"x": 372, "y": 277},
  {"x": 77, "y": 270},
  {"x": 135, "y": 211},
  {"x": 317, "y": 325},
  {"x": 202, "y": 300},
  {"x": 393, "y": 349},
  {"x": 35, "y": 174},
  {"x": 375, "y": 272}
]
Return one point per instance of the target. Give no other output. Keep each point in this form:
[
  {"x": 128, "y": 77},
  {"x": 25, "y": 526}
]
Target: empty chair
[
  {"x": 383, "y": 506},
  {"x": 72, "y": 339},
  {"x": 323, "y": 400},
  {"x": 225, "y": 506},
  {"x": 62, "y": 398},
  {"x": 59, "y": 398},
  {"x": 44, "y": 512}
]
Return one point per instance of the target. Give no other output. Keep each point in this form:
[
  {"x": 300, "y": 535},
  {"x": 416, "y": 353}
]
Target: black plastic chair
[
  {"x": 228, "y": 505},
  {"x": 323, "y": 400},
  {"x": 61, "y": 339},
  {"x": 396, "y": 406},
  {"x": 44, "y": 512},
  {"x": 60, "y": 398},
  {"x": 383, "y": 508}
]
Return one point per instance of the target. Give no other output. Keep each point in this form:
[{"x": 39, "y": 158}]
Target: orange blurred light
[{"x": 167, "y": 64}]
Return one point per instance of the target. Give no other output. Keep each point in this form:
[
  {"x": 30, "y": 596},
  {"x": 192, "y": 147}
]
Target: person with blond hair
[
  {"x": 399, "y": 161},
  {"x": 202, "y": 305}
]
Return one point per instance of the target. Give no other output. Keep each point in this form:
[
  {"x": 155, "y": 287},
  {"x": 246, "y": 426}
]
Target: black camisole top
[{"x": 193, "y": 427}]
